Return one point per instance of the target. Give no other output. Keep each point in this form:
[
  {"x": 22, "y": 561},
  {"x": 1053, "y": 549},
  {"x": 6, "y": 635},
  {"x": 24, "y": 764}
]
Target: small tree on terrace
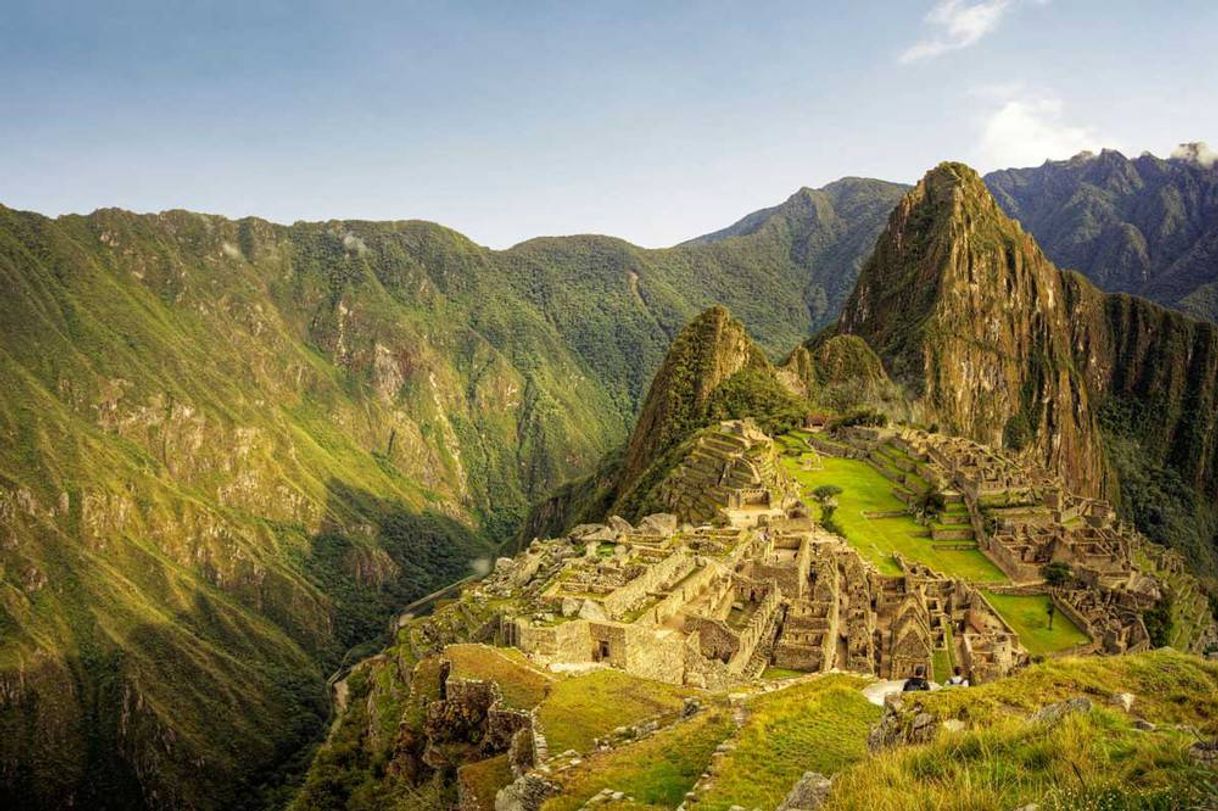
[
  {"x": 1057, "y": 573},
  {"x": 930, "y": 505},
  {"x": 826, "y": 493}
]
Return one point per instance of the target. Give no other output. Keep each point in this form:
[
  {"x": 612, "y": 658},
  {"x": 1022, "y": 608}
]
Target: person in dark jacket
[{"x": 918, "y": 682}]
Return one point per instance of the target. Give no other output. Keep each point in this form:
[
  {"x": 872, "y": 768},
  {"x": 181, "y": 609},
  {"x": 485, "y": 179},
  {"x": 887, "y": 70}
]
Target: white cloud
[
  {"x": 959, "y": 24},
  {"x": 1198, "y": 152},
  {"x": 1028, "y": 130}
]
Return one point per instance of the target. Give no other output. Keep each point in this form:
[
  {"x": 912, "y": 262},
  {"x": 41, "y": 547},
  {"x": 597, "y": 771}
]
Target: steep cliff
[
  {"x": 968, "y": 314},
  {"x": 1115, "y": 392}
]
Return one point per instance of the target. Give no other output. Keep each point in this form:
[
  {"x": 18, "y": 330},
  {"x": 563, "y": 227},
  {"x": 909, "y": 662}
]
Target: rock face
[
  {"x": 711, "y": 349},
  {"x": 965, "y": 310}
]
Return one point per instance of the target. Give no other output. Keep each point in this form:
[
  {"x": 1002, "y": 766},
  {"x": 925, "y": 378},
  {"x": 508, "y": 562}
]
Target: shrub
[
  {"x": 868, "y": 417},
  {"x": 1057, "y": 573},
  {"x": 1017, "y": 433},
  {"x": 1158, "y": 621}
]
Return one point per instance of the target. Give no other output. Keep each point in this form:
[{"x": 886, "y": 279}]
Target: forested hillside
[{"x": 232, "y": 448}]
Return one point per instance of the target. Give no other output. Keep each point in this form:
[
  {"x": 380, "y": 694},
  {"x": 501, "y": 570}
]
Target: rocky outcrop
[
  {"x": 711, "y": 349},
  {"x": 526, "y": 793},
  {"x": 808, "y": 794},
  {"x": 966, "y": 311}
]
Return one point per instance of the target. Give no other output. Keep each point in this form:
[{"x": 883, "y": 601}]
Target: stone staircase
[{"x": 763, "y": 654}]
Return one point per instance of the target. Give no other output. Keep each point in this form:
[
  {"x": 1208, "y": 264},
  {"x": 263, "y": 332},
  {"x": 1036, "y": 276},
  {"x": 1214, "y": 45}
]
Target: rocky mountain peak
[
  {"x": 968, "y": 314},
  {"x": 709, "y": 350}
]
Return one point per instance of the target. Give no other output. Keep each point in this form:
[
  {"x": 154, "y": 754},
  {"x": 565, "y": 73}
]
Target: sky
[{"x": 653, "y": 121}]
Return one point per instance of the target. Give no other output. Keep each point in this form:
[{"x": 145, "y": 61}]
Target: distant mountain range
[
  {"x": 232, "y": 448},
  {"x": 1147, "y": 225}
]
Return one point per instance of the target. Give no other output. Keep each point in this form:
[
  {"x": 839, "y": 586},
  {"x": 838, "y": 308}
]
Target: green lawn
[
  {"x": 523, "y": 685},
  {"x": 656, "y": 771},
  {"x": 819, "y": 726},
  {"x": 1029, "y": 617},
  {"x": 581, "y": 708},
  {"x": 864, "y": 489}
]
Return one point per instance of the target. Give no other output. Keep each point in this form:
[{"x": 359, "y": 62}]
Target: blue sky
[{"x": 653, "y": 121}]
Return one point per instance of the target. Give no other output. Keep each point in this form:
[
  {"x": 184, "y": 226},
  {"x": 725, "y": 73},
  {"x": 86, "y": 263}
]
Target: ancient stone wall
[{"x": 619, "y": 602}]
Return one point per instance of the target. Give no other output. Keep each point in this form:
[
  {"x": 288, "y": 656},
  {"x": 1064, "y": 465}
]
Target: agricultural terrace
[{"x": 866, "y": 493}]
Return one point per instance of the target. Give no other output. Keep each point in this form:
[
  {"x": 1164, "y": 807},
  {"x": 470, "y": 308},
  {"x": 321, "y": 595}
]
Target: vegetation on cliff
[{"x": 1115, "y": 393}]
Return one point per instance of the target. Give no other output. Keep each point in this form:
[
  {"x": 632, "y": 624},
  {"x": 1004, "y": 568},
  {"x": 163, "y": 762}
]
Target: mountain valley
[{"x": 234, "y": 450}]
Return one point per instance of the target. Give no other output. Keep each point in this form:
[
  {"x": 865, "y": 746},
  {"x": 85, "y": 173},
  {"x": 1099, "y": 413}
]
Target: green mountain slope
[
  {"x": 1143, "y": 225},
  {"x": 232, "y": 448}
]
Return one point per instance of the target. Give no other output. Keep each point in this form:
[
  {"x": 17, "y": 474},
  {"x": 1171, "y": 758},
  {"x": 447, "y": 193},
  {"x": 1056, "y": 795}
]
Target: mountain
[
  {"x": 995, "y": 343},
  {"x": 233, "y": 448},
  {"x": 1145, "y": 225},
  {"x": 828, "y": 231}
]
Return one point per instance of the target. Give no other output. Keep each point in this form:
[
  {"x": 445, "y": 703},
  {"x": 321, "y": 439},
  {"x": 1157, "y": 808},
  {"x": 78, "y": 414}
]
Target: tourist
[
  {"x": 918, "y": 682},
  {"x": 957, "y": 679}
]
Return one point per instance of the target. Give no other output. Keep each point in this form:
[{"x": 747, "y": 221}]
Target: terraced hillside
[{"x": 615, "y": 741}]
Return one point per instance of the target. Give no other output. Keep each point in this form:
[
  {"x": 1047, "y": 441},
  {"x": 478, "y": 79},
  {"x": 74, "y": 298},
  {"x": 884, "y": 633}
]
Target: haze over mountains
[{"x": 233, "y": 448}]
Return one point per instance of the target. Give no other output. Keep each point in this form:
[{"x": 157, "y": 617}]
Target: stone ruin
[
  {"x": 738, "y": 577},
  {"x": 731, "y": 475}
]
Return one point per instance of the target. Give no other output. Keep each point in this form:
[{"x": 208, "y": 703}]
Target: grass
[
  {"x": 523, "y": 686},
  {"x": 778, "y": 673},
  {"x": 656, "y": 771},
  {"x": 818, "y": 726},
  {"x": 482, "y": 780},
  {"x": 1088, "y": 761},
  {"x": 1028, "y": 615},
  {"x": 864, "y": 489},
  {"x": 581, "y": 708},
  {"x": 1092, "y": 760}
]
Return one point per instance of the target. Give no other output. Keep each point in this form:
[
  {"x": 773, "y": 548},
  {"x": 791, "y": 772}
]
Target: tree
[
  {"x": 826, "y": 492},
  {"x": 930, "y": 505},
  {"x": 1057, "y": 574}
]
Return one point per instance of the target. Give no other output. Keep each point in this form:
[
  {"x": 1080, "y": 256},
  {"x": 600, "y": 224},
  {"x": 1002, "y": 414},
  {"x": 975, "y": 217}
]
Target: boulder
[
  {"x": 619, "y": 524},
  {"x": 504, "y": 565},
  {"x": 570, "y": 606},
  {"x": 664, "y": 524},
  {"x": 526, "y": 793},
  {"x": 1204, "y": 753},
  {"x": 953, "y": 725},
  {"x": 601, "y": 535},
  {"x": 592, "y": 610},
  {"x": 1124, "y": 701},
  {"x": 922, "y": 729},
  {"x": 1054, "y": 713},
  {"x": 583, "y": 530},
  {"x": 809, "y": 793}
]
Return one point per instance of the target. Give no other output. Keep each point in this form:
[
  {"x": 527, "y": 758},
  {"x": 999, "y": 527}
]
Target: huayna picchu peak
[{"x": 966, "y": 311}]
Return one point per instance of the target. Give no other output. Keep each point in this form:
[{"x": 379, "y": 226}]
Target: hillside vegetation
[{"x": 233, "y": 448}]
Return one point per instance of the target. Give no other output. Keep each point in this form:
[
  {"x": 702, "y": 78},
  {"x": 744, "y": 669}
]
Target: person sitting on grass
[
  {"x": 957, "y": 679},
  {"x": 918, "y": 682}
]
